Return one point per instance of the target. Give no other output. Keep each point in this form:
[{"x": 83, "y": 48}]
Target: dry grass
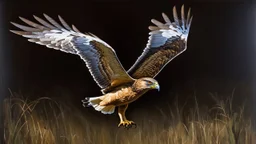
[{"x": 44, "y": 121}]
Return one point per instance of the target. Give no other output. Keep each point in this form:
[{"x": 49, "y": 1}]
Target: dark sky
[{"x": 219, "y": 57}]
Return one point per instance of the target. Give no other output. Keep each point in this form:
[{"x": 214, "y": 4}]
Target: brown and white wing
[
  {"x": 166, "y": 41},
  {"x": 100, "y": 58}
]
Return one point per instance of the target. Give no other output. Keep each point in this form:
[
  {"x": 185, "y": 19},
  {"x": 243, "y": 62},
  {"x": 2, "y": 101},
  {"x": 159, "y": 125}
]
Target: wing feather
[
  {"x": 183, "y": 17},
  {"x": 166, "y": 41},
  {"x": 100, "y": 58},
  {"x": 32, "y": 23},
  {"x": 25, "y": 28},
  {"x": 75, "y": 29},
  {"x": 188, "y": 16},
  {"x": 175, "y": 16},
  {"x": 64, "y": 23},
  {"x": 53, "y": 22},
  {"x": 166, "y": 18},
  {"x": 43, "y": 22}
]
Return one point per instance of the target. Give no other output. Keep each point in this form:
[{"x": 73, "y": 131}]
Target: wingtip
[
  {"x": 151, "y": 28},
  {"x": 45, "y": 15},
  {"x": 189, "y": 9},
  {"x": 174, "y": 8},
  {"x": 190, "y": 22},
  {"x": 59, "y": 17},
  {"x": 74, "y": 28},
  {"x": 166, "y": 18},
  {"x": 35, "y": 16},
  {"x": 183, "y": 21},
  {"x": 156, "y": 22},
  {"x": 164, "y": 15},
  {"x": 12, "y": 31},
  {"x": 15, "y": 24},
  {"x": 21, "y": 17},
  {"x": 182, "y": 6},
  {"x": 191, "y": 18},
  {"x": 15, "y": 32}
]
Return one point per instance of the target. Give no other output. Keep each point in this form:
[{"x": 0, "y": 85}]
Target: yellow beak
[{"x": 156, "y": 86}]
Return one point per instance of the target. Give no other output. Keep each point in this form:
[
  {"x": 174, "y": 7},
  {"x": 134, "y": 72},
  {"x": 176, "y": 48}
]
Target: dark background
[{"x": 219, "y": 58}]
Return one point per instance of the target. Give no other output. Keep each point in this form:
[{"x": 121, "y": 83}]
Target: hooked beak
[{"x": 156, "y": 86}]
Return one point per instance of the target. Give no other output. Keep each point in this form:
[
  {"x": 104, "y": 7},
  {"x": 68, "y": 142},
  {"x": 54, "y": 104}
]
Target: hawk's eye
[{"x": 148, "y": 82}]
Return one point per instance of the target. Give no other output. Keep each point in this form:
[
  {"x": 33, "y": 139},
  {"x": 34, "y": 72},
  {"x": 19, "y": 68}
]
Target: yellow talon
[{"x": 127, "y": 124}]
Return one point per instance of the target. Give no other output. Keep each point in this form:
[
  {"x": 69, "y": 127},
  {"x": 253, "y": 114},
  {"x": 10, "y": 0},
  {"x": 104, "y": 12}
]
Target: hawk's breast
[{"x": 122, "y": 96}]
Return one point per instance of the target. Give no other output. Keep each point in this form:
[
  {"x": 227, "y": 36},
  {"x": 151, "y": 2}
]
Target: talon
[{"x": 127, "y": 124}]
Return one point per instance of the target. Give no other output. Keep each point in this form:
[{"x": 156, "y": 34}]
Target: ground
[{"x": 51, "y": 121}]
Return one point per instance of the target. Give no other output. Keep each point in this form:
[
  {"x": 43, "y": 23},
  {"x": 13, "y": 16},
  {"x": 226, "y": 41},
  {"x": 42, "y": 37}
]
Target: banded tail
[{"x": 95, "y": 103}]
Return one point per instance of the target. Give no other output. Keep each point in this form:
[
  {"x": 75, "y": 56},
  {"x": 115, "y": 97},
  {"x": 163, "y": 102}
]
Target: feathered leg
[{"x": 123, "y": 121}]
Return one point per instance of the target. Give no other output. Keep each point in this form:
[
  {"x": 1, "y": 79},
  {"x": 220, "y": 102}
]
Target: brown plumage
[
  {"x": 128, "y": 93},
  {"x": 119, "y": 88}
]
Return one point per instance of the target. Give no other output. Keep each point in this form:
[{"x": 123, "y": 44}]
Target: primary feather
[
  {"x": 99, "y": 57},
  {"x": 166, "y": 41}
]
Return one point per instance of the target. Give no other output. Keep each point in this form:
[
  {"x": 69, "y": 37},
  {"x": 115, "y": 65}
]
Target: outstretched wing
[
  {"x": 166, "y": 41},
  {"x": 99, "y": 57}
]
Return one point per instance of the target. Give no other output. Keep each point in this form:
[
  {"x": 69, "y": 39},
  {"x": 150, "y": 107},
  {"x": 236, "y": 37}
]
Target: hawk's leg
[{"x": 123, "y": 121}]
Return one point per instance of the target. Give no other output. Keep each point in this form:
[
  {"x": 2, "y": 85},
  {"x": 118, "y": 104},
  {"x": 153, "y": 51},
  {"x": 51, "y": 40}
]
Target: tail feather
[{"x": 95, "y": 103}]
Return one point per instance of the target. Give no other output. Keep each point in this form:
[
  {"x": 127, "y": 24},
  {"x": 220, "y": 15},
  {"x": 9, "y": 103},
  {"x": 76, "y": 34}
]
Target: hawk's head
[{"x": 146, "y": 83}]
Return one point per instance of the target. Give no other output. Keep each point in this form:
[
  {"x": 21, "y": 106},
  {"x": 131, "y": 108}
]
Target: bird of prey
[{"x": 119, "y": 87}]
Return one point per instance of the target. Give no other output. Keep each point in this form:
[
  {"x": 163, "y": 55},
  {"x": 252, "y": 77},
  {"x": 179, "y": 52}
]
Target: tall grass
[{"x": 45, "y": 121}]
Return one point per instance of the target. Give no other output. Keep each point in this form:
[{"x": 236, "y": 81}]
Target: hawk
[{"x": 119, "y": 87}]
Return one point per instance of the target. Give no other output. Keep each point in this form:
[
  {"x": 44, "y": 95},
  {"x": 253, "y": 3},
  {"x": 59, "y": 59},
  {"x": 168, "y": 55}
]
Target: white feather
[
  {"x": 95, "y": 103},
  {"x": 159, "y": 37}
]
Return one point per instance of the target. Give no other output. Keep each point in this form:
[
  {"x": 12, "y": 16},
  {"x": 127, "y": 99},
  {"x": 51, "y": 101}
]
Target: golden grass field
[{"x": 46, "y": 121}]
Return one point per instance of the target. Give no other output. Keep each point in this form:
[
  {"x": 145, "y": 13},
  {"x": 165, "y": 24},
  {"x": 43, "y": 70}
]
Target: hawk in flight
[{"x": 119, "y": 87}]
